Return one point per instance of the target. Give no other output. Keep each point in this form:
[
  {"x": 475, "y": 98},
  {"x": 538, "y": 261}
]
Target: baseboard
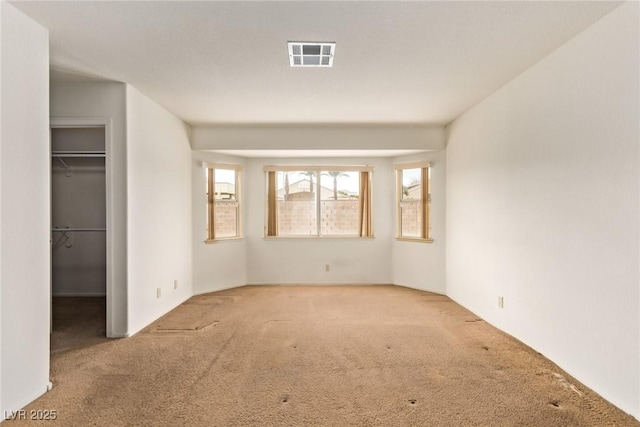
[
  {"x": 317, "y": 284},
  {"x": 421, "y": 289},
  {"x": 24, "y": 401},
  {"x": 224, "y": 288},
  {"x": 119, "y": 335},
  {"x": 153, "y": 319}
]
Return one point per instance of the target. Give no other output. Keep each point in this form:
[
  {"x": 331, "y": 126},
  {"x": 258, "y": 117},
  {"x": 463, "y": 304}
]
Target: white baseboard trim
[
  {"x": 172, "y": 307},
  {"x": 421, "y": 289},
  {"x": 226, "y": 288},
  {"x": 218, "y": 289},
  {"x": 15, "y": 407},
  {"x": 317, "y": 284},
  {"x": 119, "y": 335}
]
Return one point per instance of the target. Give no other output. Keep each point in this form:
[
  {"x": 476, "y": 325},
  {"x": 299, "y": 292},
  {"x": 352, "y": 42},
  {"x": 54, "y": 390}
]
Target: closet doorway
[{"x": 78, "y": 236}]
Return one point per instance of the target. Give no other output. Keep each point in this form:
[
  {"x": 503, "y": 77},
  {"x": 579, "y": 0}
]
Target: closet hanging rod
[
  {"x": 64, "y": 230},
  {"x": 78, "y": 154}
]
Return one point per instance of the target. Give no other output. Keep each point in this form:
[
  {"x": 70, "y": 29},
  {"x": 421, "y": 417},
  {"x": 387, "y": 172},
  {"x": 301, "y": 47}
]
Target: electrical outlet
[
  {"x": 175, "y": 284},
  {"x": 327, "y": 267},
  {"x": 158, "y": 292},
  {"x": 501, "y": 302}
]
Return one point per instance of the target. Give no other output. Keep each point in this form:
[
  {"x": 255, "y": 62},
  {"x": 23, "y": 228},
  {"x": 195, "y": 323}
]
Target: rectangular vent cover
[{"x": 310, "y": 54}]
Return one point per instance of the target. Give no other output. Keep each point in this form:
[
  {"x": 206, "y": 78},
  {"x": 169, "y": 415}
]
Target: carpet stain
[
  {"x": 565, "y": 384},
  {"x": 276, "y": 320},
  {"x": 210, "y": 299},
  {"x": 204, "y": 375},
  {"x": 183, "y": 329}
]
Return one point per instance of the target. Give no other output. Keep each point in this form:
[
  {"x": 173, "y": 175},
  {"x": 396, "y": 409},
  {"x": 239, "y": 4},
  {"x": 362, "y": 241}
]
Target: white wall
[
  {"x": 543, "y": 208},
  {"x": 422, "y": 265},
  {"x": 158, "y": 210},
  {"x": 24, "y": 209},
  {"x": 222, "y": 264},
  {"x": 105, "y": 100},
  {"x": 302, "y": 260}
]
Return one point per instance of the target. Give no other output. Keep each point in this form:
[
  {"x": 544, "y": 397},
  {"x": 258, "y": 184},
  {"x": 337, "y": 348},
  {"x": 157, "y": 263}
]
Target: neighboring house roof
[
  {"x": 414, "y": 192},
  {"x": 225, "y": 189}
]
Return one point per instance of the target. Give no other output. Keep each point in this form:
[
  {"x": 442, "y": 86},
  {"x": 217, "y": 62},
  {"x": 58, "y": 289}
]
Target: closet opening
[{"x": 78, "y": 236}]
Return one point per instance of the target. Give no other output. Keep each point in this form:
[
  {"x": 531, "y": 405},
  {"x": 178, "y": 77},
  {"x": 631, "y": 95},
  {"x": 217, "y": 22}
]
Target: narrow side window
[
  {"x": 413, "y": 202},
  {"x": 223, "y": 203}
]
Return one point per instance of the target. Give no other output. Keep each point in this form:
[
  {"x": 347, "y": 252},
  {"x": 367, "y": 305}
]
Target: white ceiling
[{"x": 227, "y": 62}]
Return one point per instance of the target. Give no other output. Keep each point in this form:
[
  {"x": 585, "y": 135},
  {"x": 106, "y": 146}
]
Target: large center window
[{"x": 310, "y": 201}]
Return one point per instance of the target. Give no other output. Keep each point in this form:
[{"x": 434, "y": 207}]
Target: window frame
[
  {"x": 425, "y": 231},
  {"x": 365, "y": 228},
  {"x": 210, "y": 217}
]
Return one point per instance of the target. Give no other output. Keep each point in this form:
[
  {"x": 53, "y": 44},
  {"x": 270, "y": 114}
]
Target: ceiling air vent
[{"x": 307, "y": 54}]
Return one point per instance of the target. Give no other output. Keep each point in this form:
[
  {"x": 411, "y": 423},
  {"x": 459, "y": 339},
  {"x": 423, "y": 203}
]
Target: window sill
[
  {"x": 319, "y": 237},
  {"x": 414, "y": 239},
  {"x": 223, "y": 239}
]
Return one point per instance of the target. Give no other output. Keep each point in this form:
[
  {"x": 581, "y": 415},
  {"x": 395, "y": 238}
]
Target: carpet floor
[
  {"x": 317, "y": 356},
  {"x": 78, "y": 322}
]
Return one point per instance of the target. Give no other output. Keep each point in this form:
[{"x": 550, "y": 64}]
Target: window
[
  {"x": 223, "y": 202},
  {"x": 413, "y": 201},
  {"x": 319, "y": 201}
]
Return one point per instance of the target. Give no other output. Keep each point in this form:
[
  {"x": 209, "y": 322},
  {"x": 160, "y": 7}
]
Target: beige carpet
[
  {"x": 304, "y": 356},
  {"x": 77, "y": 321}
]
